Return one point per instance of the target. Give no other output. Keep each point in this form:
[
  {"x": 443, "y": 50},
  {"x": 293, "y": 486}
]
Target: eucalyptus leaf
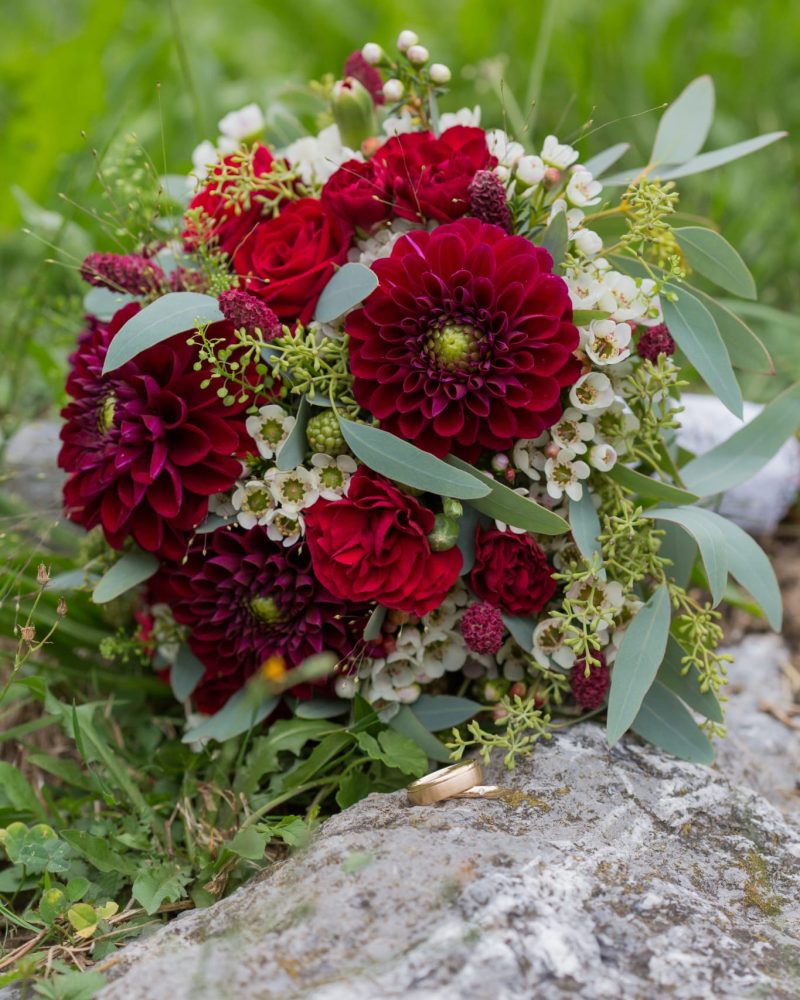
[
  {"x": 321, "y": 708},
  {"x": 699, "y": 164},
  {"x": 681, "y": 549},
  {"x": 185, "y": 673},
  {"x": 746, "y": 349},
  {"x": 583, "y": 317},
  {"x": 238, "y": 715},
  {"x": 404, "y": 463},
  {"x": 373, "y": 627},
  {"x": 598, "y": 164},
  {"x": 685, "y": 125},
  {"x": 443, "y": 711},
  {"x": 584, "y": 523},
  {"x": 176, "y": 312},
  {"x": 212, "y": 522},
  {"x": 647, "y": 486},
  {"x": 71, "y": 580},
  {"x": 349, "y": 286},
  {"x": 103, "y": 303},
  {"x": 521, "y": 630},
  {"x": 506, "y": 505},
  {"x": 466, "y": 538},
  {"x": 177, "y": 187},
  {"x": 749, "y": 565},
  {"x": 294, "y": 448},
  {"x": 664, "y": 721},
  {"x": 408, "y": 724},
  {"x": 696, "y": 333},
  {"x": 710, "y": 254},
  {"x": 555, "y": 238},
  {"x": 128, "y": 572},
  {"x": 706, "y": 531},
  {"x": 639, "y": 657},
  {"x": 742, "y": 455},
  {"x": 687, "y": 685}
]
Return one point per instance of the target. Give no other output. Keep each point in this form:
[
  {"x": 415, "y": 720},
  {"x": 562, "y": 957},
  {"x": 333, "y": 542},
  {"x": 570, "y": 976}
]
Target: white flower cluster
[
  {"x": 235, "y": 128},
  {"x": 424, "y": 650},
  {"x": 276, "y": 499},
  {"x": 315, "y": 158}
]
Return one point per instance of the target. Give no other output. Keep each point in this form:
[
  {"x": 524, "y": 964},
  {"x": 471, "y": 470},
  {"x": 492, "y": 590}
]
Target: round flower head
[
  {"x": 572, "y": 431},
  {"x": 487, "y": 200},
  {"x": 590, "y": 684},
  {"x": 467, "y": 341},
  {"x": 333, "y": 474},
  {"x": 511, "y": 571},
  {"x": 146, "y": 445},
  {"x": 655, "y": 341},
  {"x": 592, "y": 392},
  {"x": 294, "y": 490},
  {"x": 482, "y": 628},
  {"x": 564, "y": 474},
  {"x": 245, "y": 598}
]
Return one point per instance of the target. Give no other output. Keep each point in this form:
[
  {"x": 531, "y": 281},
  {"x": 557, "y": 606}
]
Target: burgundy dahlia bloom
[
  {"x": 246, "y": 598},
  {"x": 590, "y": 692},
  {"x": 467, "y": 341},
  {"x": 145, "y": 445}
]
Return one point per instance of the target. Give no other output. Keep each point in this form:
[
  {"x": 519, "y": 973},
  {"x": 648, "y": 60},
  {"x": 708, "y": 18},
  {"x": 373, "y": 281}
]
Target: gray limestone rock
[{"x": 602, "y": 873}]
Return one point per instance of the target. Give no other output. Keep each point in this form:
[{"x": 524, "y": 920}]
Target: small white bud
[
  {"x": 372, "y": 53},
  {"x": 406, "y": 39},
  {"x": 393, "y": 90},
  {"x": 418, "y": 55},
  {"x": 530, "y": 170},
  {"x": 440, "y": 73}
]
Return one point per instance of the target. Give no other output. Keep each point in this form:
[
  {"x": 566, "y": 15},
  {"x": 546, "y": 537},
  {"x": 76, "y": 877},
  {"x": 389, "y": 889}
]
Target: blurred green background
[{"x": 77, "y": 75}]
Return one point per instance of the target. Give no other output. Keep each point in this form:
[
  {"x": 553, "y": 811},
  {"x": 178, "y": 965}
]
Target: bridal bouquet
[{"x": 385, "y": 421}]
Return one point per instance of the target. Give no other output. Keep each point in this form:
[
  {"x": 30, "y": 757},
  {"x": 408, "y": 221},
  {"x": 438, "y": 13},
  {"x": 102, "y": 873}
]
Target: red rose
[
  {"x": 226, "y": 217},
  {"x": 511, "y": 571},
  {"x": 359, "y": 193},
  {"x": 372, "y": 545},
  {"x": 430, "y": 177},
  {"x": 288, "y": 260}
]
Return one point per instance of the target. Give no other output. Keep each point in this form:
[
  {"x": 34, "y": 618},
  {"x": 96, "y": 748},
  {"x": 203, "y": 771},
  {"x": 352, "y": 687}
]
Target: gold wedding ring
[{"x": 457, "y": 780}]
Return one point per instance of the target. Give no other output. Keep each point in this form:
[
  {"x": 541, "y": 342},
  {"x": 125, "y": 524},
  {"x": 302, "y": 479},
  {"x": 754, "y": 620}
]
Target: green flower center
[
  {"x": 105, "y": 415},
  {"x": 285, "y": 525},
  {"x": 258, "y": 501},
  {"x": 452, "y": 345},
  {"x": 272, "y": 430},
  {"x": 563, "y": 473},
  {"x": 293, "y": 489},
  {"x": 265, "y": 610},
  {"x": 331, "y": 478}
]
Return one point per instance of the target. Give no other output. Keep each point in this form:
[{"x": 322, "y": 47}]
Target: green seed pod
[
  {"x": 445, "y": 533},
  {"x": 324, "y": 435}
]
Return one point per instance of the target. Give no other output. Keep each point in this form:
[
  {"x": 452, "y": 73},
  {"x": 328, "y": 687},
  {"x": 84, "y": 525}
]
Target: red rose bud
[
  {"x": 249, "y": 313},
  {"x": 654, "y": 341},
  {"x": 358, "y": 67},
  {"x": 129, "y": 273},
  {"x": 353, "y": 111},
  {"x": 482, "y": 628},
  {"x": 590, "y": 692},
  {"x": 487, "y": 200}
]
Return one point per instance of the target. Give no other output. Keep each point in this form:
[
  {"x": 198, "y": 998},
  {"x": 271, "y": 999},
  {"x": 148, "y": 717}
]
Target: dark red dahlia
[
  {"x": 429, "y": 177},
  {"x": 228, "y": 209},
  {"x": 467, "y": 342},
  {"x": 369, "y": 78},
  {"x": 146, "y": 445},
  {"x": 590, "y": 691},
  {"x": 246, "y": 598},
  {"x": 653, "y": 341}
]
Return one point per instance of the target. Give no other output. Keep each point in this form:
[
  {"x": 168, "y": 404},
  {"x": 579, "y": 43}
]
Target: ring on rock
[{"x": 462, "y": 780}]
